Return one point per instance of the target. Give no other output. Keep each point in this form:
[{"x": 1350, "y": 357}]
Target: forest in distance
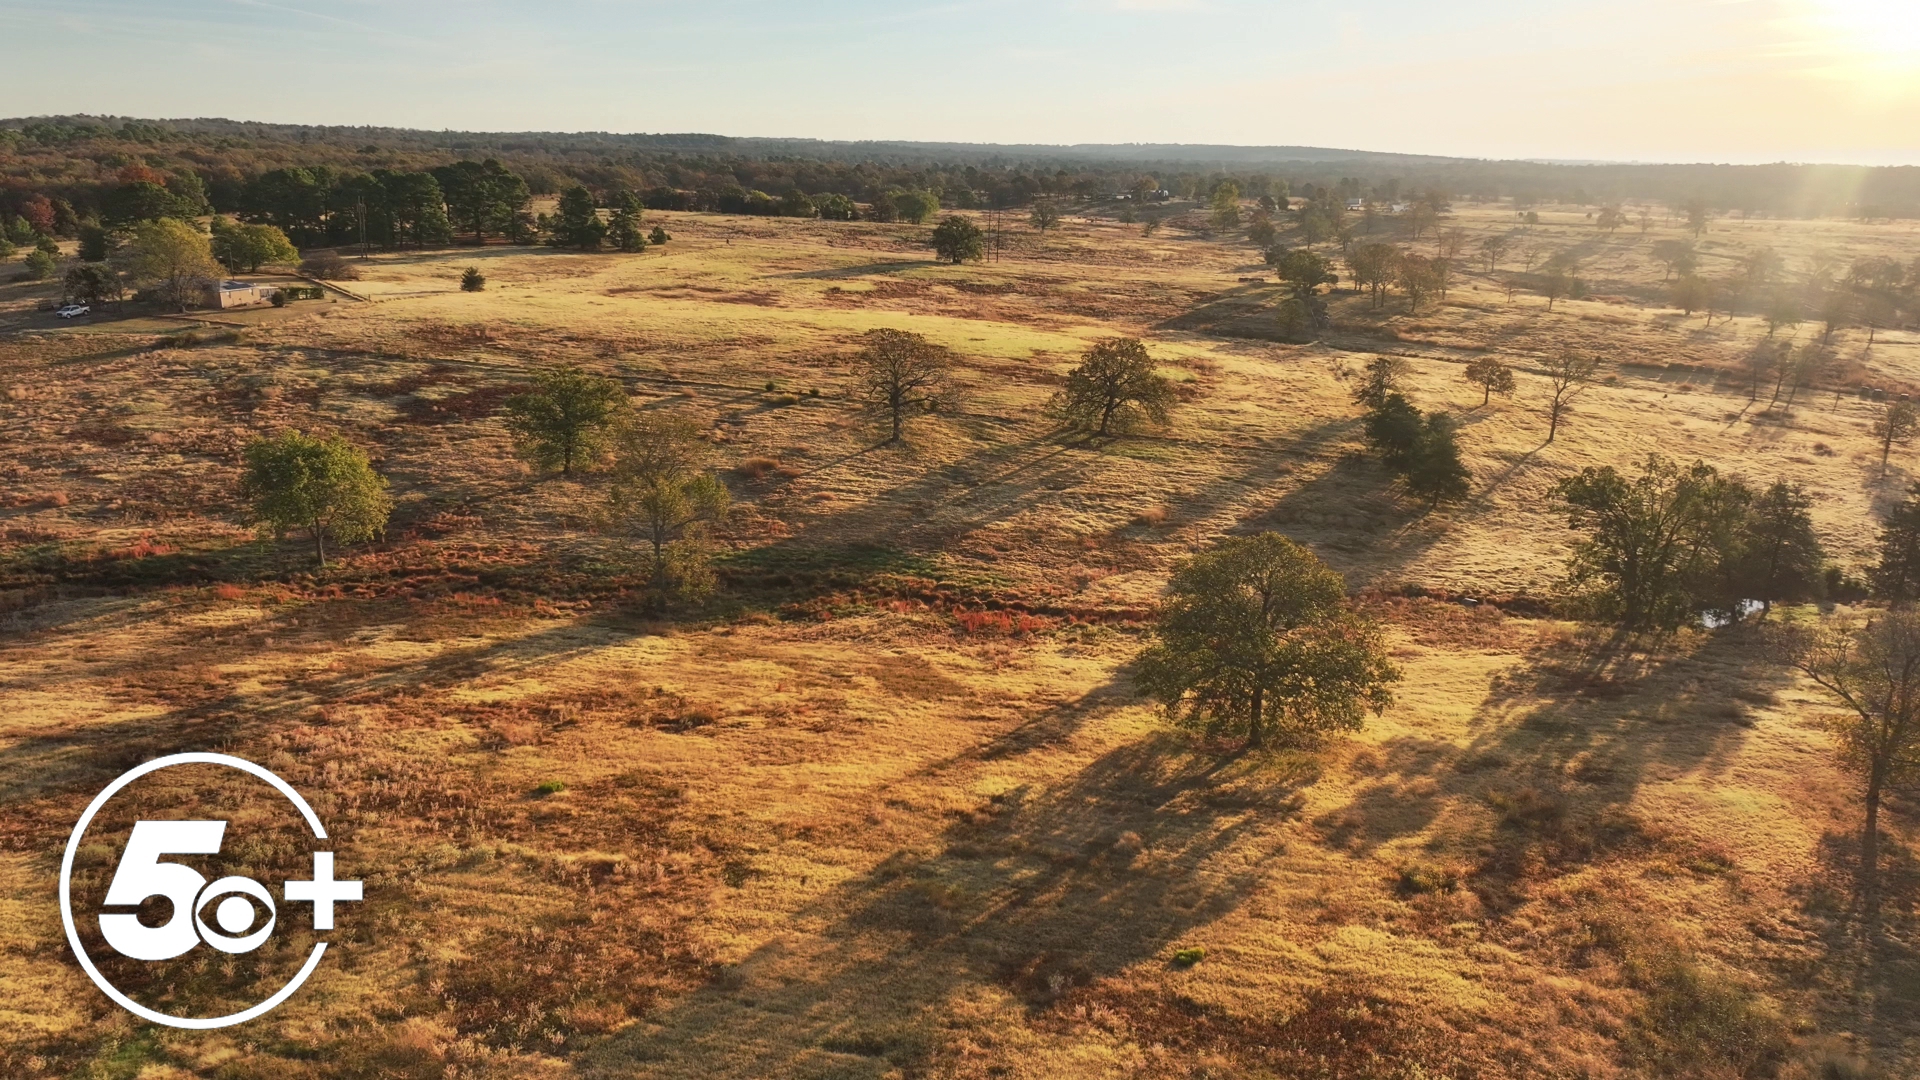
[{"x": 78, "y": 159}]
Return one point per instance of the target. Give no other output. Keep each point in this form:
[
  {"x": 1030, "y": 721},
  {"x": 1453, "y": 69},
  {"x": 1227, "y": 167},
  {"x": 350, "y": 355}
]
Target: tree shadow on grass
[
  {"x": 1021, "y": 898},
  {"x": 841, "y": 273},
  {"x": 1565, "y": 742}
]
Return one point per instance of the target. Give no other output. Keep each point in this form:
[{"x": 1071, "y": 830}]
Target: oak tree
[
  {"x": 564, "y": 420},
  {"x": 898, "y": 374},
  {"x": 1114, "y": 388},
  {"x": 323, "y": 485},
  {"x": 664, "y": 495},
  {"x": 1491, "y": 376},
  {"x": 1256, "y": 638}
]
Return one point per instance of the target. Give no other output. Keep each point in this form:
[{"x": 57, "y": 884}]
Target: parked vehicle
[{"x": 74, "y": 311}]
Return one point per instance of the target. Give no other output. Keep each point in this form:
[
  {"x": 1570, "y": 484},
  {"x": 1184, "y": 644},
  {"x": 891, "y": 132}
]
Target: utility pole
[{"x": 360, "y": 211}]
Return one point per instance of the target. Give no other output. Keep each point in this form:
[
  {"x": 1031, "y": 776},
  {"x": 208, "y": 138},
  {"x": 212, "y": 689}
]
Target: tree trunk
[
  {"x": 1256, "y": 733},
  {"x": 319, "y": 542},
  {"x": 1553, "y": 421},
  {"x": 1870, "y": 846}
]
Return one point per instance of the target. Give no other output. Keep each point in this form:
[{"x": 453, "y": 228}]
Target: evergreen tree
[
  {"x": 1435, "y": 471},
  {"x": 563, "y": 421},
  {"x": 576, "y": 223},
  {"x": 624, "y": 227},
  {"x": 957, "y": 239},
  {"x": 1896, "y": 576},
  {"x": 1779, "y": 557},
  {"x": 1394, "y": 430}
]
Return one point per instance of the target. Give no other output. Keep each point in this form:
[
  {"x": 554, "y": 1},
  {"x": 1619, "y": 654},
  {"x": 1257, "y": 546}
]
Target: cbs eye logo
[{"x": 143, "y": 873}]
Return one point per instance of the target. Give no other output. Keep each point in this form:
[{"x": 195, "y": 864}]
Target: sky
[{"x": 1639, "y": 80}]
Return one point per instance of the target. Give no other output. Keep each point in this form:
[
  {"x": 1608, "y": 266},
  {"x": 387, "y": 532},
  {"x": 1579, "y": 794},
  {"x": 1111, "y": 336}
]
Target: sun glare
[{"x": 1883, "y": 36}]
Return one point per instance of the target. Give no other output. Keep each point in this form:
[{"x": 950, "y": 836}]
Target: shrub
[
  {"x": 329, "y": 266},
  {"x": 549, "y": 787},
  {"x": 658, "y": 236},
  {"x": 472, "y": 280},
  {"x": 40, "y": 266},
  {"x": 1421, "y": 879},
  {"x": 1189, "y": 957}
]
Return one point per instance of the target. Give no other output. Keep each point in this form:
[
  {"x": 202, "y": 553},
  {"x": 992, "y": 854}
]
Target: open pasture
[{"x": 891, "y": 806}]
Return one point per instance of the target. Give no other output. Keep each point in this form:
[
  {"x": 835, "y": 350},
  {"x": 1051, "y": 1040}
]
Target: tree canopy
[
  {"x": 323, "y": 485},
  {"x": 173, "y": 259},
  {"x": 663, "y": 495},
  {"x": 562, "y": 422},
  {"x": 1114, "y": 388},
  {"x": 957, "y": 239},
  {"x": 1255, "y": 638}
]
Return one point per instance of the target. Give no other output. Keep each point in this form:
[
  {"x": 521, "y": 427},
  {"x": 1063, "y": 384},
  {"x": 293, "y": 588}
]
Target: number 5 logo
[{"x": 142, "y": 873}]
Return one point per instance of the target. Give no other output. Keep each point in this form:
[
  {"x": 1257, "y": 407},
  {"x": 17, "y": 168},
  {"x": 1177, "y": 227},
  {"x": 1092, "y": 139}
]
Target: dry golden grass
[{"x": 892, "y": 808}]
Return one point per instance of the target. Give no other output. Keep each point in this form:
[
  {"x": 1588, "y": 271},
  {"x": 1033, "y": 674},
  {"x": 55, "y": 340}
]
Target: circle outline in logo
[{"x": 66, "y": 892}]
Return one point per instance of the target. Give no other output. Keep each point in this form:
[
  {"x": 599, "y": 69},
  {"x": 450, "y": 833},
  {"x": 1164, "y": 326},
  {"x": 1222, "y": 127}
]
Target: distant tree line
[{"x": 56, "y": 172}]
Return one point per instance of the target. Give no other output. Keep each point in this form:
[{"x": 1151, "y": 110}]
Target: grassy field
[{"x": 892, "y": 807}]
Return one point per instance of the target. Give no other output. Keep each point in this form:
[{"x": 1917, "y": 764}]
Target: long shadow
[
  {"x": 1349, "y": 512},
  {"x": 1564, "y": 743},
  {"x": 838, "y": 273},
  {"x": 1034, "y": 892},
  {"x": 201, "y": 712}
]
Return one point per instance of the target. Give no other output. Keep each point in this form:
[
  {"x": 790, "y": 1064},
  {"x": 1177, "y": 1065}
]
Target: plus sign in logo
[{"x": 231, "y": 914}]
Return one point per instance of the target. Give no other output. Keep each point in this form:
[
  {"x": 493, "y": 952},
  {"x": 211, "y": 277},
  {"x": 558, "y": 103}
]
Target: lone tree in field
[
  {"x": 472, "y": 280},
  {"x": 1690, "y": 293},
  {"x": 1045, "y": 215},
  {"x": 957, "y": 239},
  {"x": 171, "y": 257},
  {"x": 1393, "y": 430},
  {"x": 1115, "y": 388},
  {"x": 563, "y": 421},
  {"x": 1491, "y": 376},
  {"x": 1493, "y": 247},
  {"x": 1567, "y": 375},
  {"x": 624, "y": 227},
  {"x": 1418, "y": 277},
  {"x": 1558, "y": 279},
  {"x": 1899, "y": 424},
  {"x": 1256, "y": 638},
  {"x": 1873, "y": 669},
  {"x": 325, "y": 486},
  {"x": 1676, "y": 256},
  {"x": 663, "y": 494},
  {"x": 901, "y": 373}
]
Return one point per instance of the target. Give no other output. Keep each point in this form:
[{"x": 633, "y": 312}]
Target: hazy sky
[{"x": 1725, "y": 80}]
